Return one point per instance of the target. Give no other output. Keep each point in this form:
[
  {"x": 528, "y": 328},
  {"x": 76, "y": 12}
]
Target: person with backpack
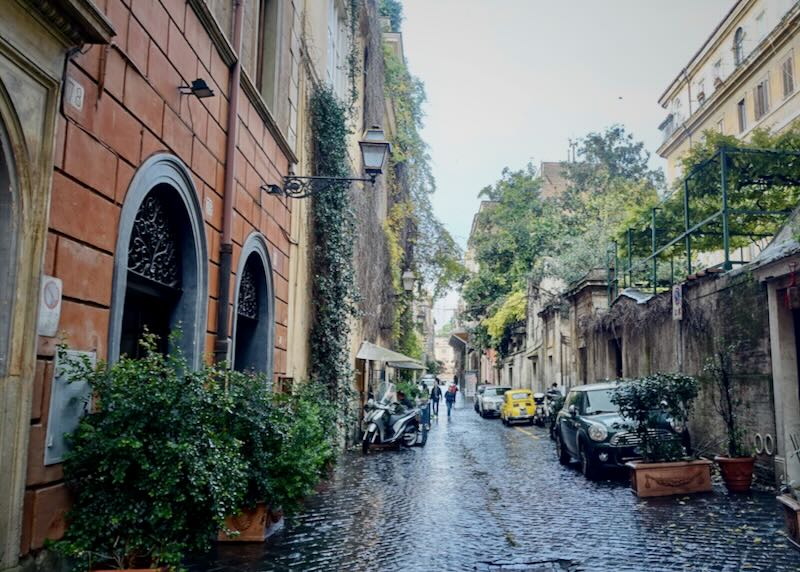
[
  {"x": 436, "y": 395},
  {"x": 450, "y": 398}
]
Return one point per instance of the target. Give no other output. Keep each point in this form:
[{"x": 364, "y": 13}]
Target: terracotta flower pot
[
  {"x": 737, "y": 472},
  {"x": 251, "y": 524},
  {"x": 674, "y": 478},
  {"x": 791, "y": 513}
]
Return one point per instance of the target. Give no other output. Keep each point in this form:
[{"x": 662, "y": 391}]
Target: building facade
[
  {"x": 743, "y": 77},
  {"x": 138, "y": 144}
]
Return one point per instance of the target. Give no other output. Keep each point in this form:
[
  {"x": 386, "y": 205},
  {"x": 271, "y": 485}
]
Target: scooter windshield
[{"x": 387, "y": 393}]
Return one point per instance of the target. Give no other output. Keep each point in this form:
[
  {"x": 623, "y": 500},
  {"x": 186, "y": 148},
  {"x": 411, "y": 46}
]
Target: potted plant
[
  {"x": 737, "y": 466},
  {"x": 665, "y": 468},
  {"x": 285, "y": 445},
  {"x": 152, "y": 475}
]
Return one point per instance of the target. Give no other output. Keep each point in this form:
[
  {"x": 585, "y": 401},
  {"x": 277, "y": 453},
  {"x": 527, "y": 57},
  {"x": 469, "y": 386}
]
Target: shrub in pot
[
  {"x": 665, "y": 468},
  {"x": 737, "y": 466},
  {"x": 153, "y": 476},
  {"x": 286, "y": 443}
]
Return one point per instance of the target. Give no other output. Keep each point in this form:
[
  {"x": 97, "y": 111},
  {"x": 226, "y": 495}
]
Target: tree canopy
[{"x": 520, "y": 234}]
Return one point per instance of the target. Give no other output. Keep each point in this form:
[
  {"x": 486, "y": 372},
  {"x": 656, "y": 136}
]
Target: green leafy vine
[{"x": 334, "y": 292}]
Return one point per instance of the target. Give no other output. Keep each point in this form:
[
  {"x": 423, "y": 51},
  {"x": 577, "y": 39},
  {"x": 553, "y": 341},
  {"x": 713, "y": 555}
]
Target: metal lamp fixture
[
  {"x": 374, "y": 150},
  {"x": 408, "y": 280},
  {"x": 199, "y": 89}
]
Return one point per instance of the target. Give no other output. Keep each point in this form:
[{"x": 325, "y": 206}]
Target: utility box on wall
[{"x": 69, "y": 401}]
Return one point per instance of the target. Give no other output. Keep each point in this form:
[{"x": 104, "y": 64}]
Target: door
[{"x": 568, "y": 424}]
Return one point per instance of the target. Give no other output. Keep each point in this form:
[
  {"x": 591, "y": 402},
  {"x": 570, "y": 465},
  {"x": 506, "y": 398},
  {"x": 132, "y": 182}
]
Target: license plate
[{"x": 523, "y": 412}]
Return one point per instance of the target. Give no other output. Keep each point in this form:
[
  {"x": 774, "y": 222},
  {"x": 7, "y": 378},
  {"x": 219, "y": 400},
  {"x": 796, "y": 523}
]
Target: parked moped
[
  {"x": 540, "y": 413},
  {"x": 386, "y": 422},
  {"x": 554, "y": 401}
]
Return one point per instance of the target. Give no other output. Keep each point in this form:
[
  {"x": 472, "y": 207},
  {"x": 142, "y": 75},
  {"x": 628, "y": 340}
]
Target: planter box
[
  {"x": 251, "y": 524},
  {"x": 791, "y": 513},
  {"x": 675, "y": 478}
]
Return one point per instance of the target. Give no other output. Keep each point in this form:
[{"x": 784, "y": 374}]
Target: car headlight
[
  {"x": 677, "y": 426},
  {"x": 598, "y": 432}
]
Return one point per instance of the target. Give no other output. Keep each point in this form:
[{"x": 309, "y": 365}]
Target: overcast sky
[{"x": 511, "y": 81}]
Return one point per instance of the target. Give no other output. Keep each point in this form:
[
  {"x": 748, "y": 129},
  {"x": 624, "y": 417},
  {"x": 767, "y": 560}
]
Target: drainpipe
[{"x": 222, "y": 344}]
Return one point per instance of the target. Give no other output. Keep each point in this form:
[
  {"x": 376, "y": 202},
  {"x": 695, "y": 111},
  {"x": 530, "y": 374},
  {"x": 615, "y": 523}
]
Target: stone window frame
[
  {"x": 163, "y": 169},
  {"x": 256, "y": 245},
  {"x": 8, "y": 249}
]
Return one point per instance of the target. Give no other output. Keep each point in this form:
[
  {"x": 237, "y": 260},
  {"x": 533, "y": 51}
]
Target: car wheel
[
  {"x": 589, "y": 467},
  {"x": 561, "y": 450}
]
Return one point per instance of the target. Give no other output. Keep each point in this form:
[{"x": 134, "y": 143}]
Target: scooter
[
  {"x": 540, "y": 413},
  {"x": 387, "y": 422},
  {"x": 554, "y": 401}
]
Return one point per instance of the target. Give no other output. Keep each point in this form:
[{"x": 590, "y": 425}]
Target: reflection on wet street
[{"x": 481, "y": 496}]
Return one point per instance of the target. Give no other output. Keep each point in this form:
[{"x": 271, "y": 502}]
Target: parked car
[
  {"x": 478, "y": 392},
  {"x": 590, "y": 429},
  {"x": 490, "y": 400},
  {"x": 517, "y": 405}
]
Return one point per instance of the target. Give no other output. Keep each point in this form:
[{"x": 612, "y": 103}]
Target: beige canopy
[{"x": 393, "y": 359}]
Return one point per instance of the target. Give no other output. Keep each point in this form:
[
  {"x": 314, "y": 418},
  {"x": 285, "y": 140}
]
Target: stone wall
[{"x": 717, "y": 310}]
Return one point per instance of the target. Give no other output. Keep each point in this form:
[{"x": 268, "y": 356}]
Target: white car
[{"x": 491, "y": 400}]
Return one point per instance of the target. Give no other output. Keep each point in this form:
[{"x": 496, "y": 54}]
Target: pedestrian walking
[
  {"x": 450, "y": 398},
  {"x": 436, "y": 395}
]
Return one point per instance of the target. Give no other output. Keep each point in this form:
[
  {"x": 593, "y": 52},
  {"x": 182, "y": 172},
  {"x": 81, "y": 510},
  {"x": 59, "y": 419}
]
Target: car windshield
[
  {"x": 520, "y": 395},
  {"x": 599, "y": 401},
  {"x": 495, "y": 391}
]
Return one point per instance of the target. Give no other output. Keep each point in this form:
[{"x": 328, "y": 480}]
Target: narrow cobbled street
[{"x": 484, "y": 497}]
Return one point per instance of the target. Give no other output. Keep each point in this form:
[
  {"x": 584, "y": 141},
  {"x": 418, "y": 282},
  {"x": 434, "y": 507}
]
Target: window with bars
[
  {"x": 761, "y": 98},
  {"x": 787, "y": 72},
  {"x": 738, "y": 46}
]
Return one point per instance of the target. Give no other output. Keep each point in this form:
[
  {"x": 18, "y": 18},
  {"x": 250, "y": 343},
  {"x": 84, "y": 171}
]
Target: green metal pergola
[{"x": 722, "y": 214}]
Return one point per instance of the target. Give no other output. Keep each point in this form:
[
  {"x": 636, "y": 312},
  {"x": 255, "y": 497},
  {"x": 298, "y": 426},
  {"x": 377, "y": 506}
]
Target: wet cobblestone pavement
[{"x": 484, "y": 497}]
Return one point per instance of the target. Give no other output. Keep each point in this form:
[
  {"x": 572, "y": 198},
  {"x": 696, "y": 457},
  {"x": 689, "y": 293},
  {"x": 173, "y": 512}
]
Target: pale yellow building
[{"x": 743, "y": 77}]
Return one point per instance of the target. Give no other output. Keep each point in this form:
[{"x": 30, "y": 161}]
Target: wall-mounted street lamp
[
  {"x": 408, "y": 280},
  {"x": 374, "y": 150},
  {"x": 199, "y": 89}
]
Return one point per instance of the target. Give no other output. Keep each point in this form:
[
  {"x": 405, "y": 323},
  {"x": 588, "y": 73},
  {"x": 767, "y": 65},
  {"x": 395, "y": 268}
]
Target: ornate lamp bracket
[{"x": 300, "y": 187}]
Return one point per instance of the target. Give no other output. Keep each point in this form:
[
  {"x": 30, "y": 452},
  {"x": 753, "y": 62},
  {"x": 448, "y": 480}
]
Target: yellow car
[{"x": 517, "y": 405}]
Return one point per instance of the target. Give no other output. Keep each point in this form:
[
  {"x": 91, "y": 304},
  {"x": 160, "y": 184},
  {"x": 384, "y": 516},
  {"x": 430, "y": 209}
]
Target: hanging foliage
[{"x": 334, "y": 292}]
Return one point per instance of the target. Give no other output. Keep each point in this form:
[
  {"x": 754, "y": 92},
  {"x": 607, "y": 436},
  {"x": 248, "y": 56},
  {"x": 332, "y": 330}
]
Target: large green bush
[
  {"x": 646, "y": 400},
  {"x": 153, "y": 475},
  {"x": 168, "y": 453}
]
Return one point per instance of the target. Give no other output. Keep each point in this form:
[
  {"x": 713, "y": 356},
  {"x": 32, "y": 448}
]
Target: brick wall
[{"x": 132, "y": 109}]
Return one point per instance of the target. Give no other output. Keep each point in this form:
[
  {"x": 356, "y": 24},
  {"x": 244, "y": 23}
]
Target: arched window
[
  {"x": 738, "y": 46},
  {"x": 160, "y": 267},
  {"x": 254, "y": 309},
  {"x": 8, "y": 255}
]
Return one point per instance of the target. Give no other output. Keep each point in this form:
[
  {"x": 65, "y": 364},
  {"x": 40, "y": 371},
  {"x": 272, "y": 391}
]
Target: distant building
[
  {"x": 744, "y": 76},
  {"x": 554, "y": 181}
]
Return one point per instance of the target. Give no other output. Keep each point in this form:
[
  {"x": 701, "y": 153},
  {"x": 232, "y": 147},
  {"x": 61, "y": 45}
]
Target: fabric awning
[
  {"x": 406, "y": 365},
  {"x": 372, "y": 352}
]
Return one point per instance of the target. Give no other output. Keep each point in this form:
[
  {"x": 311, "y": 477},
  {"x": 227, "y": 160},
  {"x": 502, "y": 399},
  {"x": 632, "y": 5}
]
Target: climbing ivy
[
  {"x": 334, "y": 292},
  {"x": 354, "y": 57},
  {"x": 437, "y": 257}
]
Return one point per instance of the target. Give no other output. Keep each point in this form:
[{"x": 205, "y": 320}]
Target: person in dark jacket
[
  {"x": 450, "y": 398},
  {"x": 436, "y": 395}
]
